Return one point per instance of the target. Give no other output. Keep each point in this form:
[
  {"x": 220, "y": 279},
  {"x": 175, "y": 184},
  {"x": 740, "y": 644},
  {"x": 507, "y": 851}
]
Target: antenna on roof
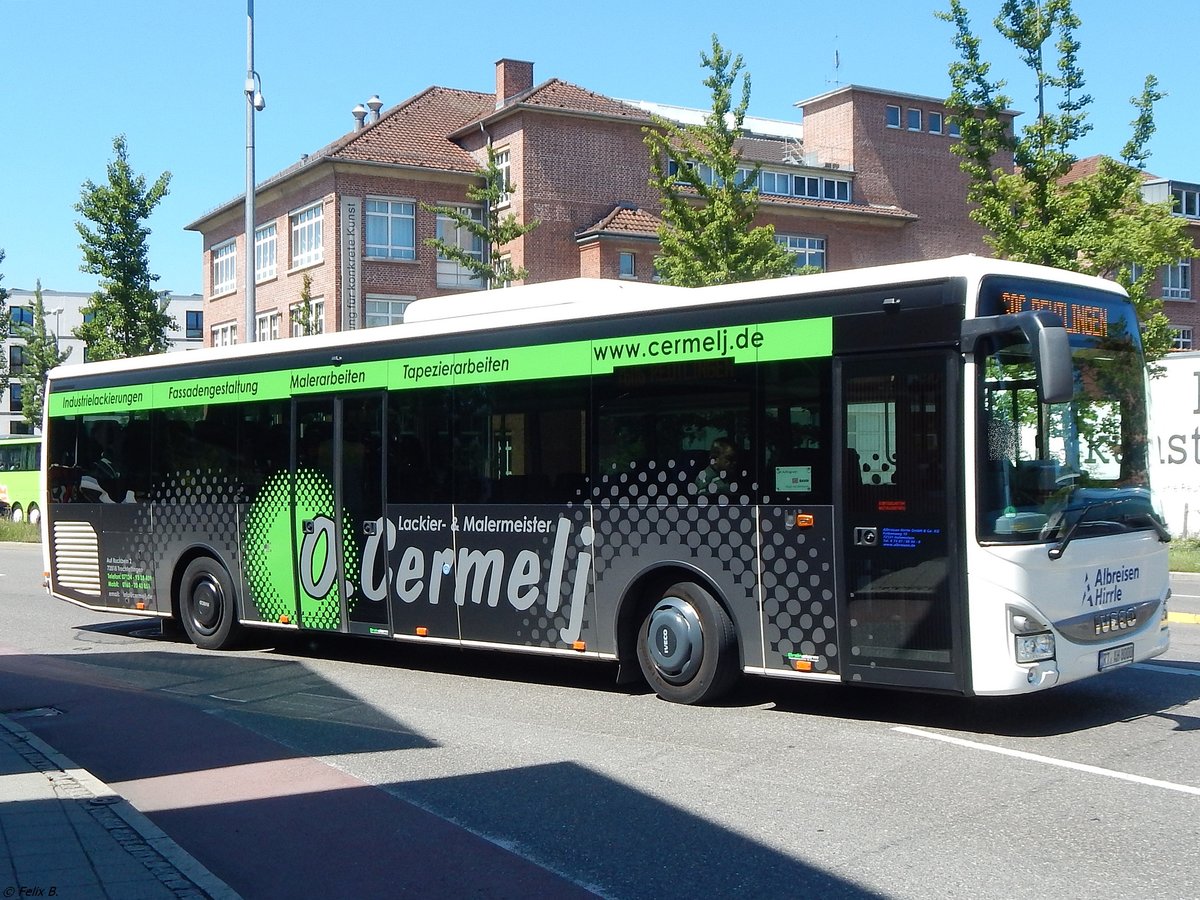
[{"x": 837, "y": 63}]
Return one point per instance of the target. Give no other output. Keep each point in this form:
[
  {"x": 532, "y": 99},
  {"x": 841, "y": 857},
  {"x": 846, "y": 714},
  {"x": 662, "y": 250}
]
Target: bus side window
[{"x": 796, "y": 424}]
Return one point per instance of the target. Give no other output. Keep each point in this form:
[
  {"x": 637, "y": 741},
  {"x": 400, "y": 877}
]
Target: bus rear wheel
[
  {"x": 208, "y": 605},
  {"x": 35, "y": 515},
  {"x": 687, "y": 646},
  {"x": 17, "y": 514}
]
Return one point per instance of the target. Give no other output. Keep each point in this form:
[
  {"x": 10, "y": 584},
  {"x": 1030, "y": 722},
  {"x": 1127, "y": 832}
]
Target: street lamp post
[
  {"x": 254, "y": 103},
  {"x": 57, "y": 313}
]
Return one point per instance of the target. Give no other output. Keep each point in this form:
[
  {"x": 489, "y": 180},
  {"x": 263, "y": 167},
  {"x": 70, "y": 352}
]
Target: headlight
[{"x": 1035, "y": 647}]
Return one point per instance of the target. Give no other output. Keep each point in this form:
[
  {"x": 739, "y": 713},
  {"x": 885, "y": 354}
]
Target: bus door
[
  {"x": 899, "y": 609},
  {"x": 337, "y": 485}
]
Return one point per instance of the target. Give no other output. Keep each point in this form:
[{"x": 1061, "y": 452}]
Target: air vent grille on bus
[{"x": 77, "y": 557}]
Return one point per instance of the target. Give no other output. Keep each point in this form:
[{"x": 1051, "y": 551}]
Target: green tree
[
  {"x": 490, "y": 233},
  {"x": 41, "y": 354},
  {"x": 126, "y": 316},
  {"x": 1098, "y": 224},
  {"x": 4, "y": 317},
  {"x": 709, "y": 198},
  {"x": 302, "y": 314}
]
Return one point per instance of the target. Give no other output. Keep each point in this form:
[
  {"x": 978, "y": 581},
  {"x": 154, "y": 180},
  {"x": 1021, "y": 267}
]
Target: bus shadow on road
[{"x": 1148, "y": 690}]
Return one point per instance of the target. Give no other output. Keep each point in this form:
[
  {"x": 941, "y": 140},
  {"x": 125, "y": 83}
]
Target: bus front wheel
[
  {"x": 17, "y": 514},
  {"x": 208, "y": 605},
  {"x": 687, "y": 646},
  {"x": 35, "y": 515}
]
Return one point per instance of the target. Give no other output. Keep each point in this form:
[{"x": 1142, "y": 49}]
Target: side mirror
[{"x": 1049, "y": 346}]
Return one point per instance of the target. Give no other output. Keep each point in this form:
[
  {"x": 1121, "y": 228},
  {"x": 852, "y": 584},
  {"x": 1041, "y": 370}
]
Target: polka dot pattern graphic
[{"x": 773, "y": 575}]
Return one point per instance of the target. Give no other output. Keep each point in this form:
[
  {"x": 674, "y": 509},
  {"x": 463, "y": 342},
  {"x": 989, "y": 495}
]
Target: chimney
[
  {"x": 512, "y": 77},
  {"x": 375, "y": 105},
  {"x": 360, "y": 116}
]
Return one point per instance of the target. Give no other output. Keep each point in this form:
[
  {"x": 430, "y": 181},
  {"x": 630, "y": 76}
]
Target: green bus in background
[{"x": 21, "y": 478}]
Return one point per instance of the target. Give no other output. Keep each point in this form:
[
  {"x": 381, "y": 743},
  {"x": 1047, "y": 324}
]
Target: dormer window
[{"x": 1186, "y": 203}]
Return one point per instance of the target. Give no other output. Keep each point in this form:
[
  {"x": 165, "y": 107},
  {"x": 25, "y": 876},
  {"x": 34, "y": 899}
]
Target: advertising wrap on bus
[{"x": 770, "y": 478}]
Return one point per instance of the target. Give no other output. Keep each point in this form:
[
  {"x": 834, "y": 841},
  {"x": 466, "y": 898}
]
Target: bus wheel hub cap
[{"x": 675, "y": 639}]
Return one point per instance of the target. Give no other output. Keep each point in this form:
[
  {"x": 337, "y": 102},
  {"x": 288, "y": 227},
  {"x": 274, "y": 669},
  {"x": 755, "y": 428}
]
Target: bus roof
[{"x": 583, "y": 298}]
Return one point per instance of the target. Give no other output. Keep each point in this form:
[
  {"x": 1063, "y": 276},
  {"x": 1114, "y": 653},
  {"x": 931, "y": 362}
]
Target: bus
[
  {"x": 929, "y": 476},
  {"x": 20, "y": 478}
]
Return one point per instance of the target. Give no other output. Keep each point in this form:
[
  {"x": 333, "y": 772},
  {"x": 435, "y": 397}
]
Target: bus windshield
[{"x": 1062, "y": 471}]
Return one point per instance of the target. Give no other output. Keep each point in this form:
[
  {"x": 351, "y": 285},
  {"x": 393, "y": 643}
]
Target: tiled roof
[
  {"x": 415, "y": 133},
  {"x": 562, "y": 95},
  {"x": 625, "y": 218},
  {"x": 1090, "y": 165},
  {"x": 761, "y": 150},
  {"x": 838, "y": 206}
]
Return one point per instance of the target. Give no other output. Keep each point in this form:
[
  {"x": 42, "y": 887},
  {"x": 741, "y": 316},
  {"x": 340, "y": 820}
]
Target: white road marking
[
  {"x": 1166, "y": 669},
  {"x": 1051, "y": 761}
]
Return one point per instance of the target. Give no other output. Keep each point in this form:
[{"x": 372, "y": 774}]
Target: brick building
[
  {"x": 1174, "y": 282},
  {"x": 867, "y": 178}
]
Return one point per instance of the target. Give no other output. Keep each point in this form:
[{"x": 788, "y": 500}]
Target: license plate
[{"x": 1116, "y": 656}]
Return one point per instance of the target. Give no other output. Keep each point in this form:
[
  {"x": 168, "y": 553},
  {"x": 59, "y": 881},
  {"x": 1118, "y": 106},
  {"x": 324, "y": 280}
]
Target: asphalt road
[{"x": 292, "y": 770}]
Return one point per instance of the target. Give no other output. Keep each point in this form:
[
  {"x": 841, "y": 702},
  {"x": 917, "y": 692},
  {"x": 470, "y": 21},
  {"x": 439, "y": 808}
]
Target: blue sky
[{"x": 168, "y": 74}]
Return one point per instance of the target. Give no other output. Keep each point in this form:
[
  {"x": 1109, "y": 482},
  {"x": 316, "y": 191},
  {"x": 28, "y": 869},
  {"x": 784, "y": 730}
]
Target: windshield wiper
[{"x": 1058, "y": 549}]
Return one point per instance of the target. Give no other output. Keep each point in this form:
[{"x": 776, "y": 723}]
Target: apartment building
[
  {"x": 64, "y": 313},
  {"x": 865, "y": 177}
]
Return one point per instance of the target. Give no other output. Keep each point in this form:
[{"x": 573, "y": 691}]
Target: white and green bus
[
  {"x": 929, "y": 476},
  {"x": 20, "y": 478}
]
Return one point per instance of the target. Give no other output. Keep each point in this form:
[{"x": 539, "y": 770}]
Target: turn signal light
[
  {"x": 804, "y": 520},
  {"x": 422, "y": 631},
  {"x": 802, "y": 665},
  {"x": 284, "y": 619},
  {"x": 579, "y": 645}
]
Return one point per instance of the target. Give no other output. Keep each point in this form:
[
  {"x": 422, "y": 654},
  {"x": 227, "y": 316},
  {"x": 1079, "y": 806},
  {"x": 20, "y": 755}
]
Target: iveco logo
[{"x": 1116, "y": 620}]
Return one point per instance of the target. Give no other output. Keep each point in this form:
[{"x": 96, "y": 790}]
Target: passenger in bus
[
  {"x": 715, "y": 478},
  {"x": 102, "y": 481}
]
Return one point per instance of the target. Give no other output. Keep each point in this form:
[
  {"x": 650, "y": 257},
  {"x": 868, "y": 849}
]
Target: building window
[
  {"x": 18, "y": 316},
  {"x": 317, "y": 324},
  {"x": 224, "y": 335},
  {"x": 809, "y": 251},
  {"x": 307, "y": 247},
  {"x": 1177, "y": 281},
  {"x": 1181, "y": 338},
  {"x": 224, "y": 268},
  {"x": 194, "y": 328},
  {"x": 504, "y": 165},
  {"x": 383, "y": 310},
  {"x": 267, "y": 326},
  {"x": 449, "y": 272},
  {"x": 935, "y": 123},
  {"x": 628, "y": 264},
  {"x": 264, "y": 252},
  {"x": 705, "y": 174},
  {"x": 16, "y": 359},
  {"x": 953, "y": 129},
  {"x": 893, "y": 116},
  {"x": 391, "y": 229},
  {"x": 914, "y": 119},
  {"x": 15, "y": 403},
  {"x": 774, "y": 182},
  {"x": 1186, "y": 203}
]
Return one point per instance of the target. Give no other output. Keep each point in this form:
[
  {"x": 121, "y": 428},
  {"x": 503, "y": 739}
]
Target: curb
[{"x": 149, "y": 844}]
